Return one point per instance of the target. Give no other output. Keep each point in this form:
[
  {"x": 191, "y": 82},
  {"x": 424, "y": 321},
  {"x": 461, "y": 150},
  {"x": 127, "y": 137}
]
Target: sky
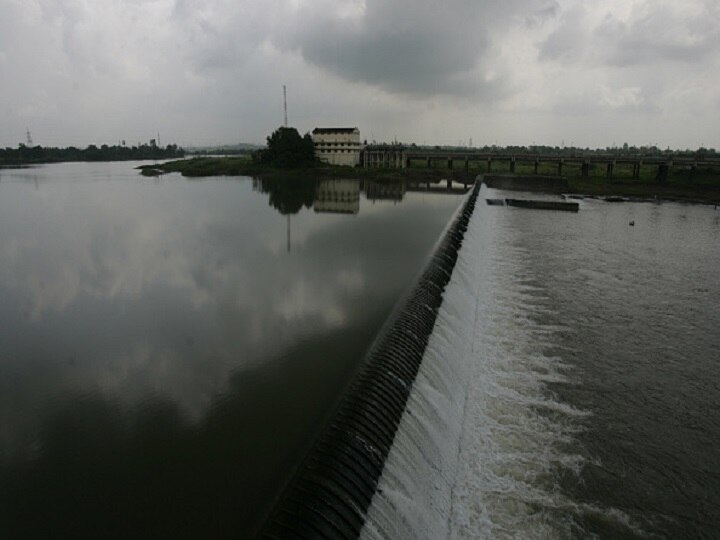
[{"x": 207, "y": 72}]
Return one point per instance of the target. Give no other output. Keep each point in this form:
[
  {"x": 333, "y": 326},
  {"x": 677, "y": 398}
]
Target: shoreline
[
  {"x": 704, "y": 190},
  {"x": 231, "y": 166},
  {"x": 30, "y": 164},
  {"x": 644, "y": 191}
]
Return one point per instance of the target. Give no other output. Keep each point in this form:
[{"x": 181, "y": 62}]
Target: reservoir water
[
  {"x": 168, "y": 347},
  {"x": 571, "y": 386}
]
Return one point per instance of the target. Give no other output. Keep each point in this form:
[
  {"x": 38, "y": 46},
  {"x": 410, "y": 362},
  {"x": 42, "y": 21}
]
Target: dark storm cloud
[
  {"x": 411, "y": 62},
  {"x": 410, "y": 47},
  {"x": 80, "y": 72}
]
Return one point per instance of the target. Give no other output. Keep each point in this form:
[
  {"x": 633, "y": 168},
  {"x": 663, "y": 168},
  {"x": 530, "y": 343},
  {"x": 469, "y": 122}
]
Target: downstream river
[
  {"x": 571, "y": 386},
  {"x": 168, "y": 347}
]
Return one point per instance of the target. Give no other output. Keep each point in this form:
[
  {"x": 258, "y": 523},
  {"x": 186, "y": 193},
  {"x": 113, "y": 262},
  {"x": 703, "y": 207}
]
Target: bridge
[{"x": 401, "y": 157}]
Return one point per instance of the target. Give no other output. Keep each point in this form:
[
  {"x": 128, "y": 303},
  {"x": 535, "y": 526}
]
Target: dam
[
  {"x": 523, "y": 411},
  {"x": 240, "y": 357}
]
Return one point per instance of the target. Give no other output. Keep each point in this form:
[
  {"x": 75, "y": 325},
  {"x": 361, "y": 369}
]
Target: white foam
[{"x": 481, "y": 442}]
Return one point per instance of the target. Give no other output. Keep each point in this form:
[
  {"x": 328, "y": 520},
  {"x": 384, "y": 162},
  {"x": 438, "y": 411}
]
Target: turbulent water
[{"x": 570, "y": 388}]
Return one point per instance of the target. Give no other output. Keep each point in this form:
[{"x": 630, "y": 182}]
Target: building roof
[{"x": 336, "y": 130}]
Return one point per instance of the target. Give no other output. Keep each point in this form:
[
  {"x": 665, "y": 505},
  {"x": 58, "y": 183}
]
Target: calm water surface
[{"x": 168, "y": 347}]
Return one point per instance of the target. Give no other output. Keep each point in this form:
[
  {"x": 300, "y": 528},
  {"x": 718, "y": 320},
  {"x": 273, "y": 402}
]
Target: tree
[{"x": 286, "y": 148}]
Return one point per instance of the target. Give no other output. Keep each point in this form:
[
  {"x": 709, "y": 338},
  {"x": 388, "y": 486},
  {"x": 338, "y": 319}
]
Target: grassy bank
[
  {"x": 701, "y": 185},
  {"x": 244, "y": 166},
  {"x": 695, "y": 190}
]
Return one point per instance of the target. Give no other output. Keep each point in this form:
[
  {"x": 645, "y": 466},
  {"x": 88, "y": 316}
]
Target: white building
[{"x": 337, "y": 146}]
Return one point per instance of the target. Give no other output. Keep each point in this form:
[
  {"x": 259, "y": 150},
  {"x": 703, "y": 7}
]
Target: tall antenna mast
[
  {"x": 29, "y": 137},
  {"x": 285, "y": 103}
]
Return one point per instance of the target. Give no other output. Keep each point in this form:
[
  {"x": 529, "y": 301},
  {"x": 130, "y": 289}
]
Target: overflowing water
[{"x": 569, "y": 389}]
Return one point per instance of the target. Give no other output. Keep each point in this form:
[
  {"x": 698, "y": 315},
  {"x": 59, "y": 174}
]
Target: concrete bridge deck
[{"x": 397, "y": 157}]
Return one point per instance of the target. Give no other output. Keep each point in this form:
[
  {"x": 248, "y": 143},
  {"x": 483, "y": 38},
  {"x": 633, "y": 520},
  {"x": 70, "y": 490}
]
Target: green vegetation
[
  {"x": 244, "y": 166},
  {"x": 682, "y": 184},
  {"x": 624, "y": 150},
  {"x": 240, "y": 149},
  {"x": 286, "y": 149},
  {"x": 205, "y": 166},
  {"x": 28, "y": 155},
  {"x": 697, "y": 186},
  {"x": 291, "y": 156},
  {"x": 701, "y": 184}
]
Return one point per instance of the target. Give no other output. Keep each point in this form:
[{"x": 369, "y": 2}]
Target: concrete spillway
[
  {"x": 518, "y": 421},
  {"x": 331, "y": 491}
]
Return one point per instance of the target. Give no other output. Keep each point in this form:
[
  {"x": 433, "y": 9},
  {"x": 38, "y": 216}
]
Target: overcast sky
[{"x": 76, "y": 72}]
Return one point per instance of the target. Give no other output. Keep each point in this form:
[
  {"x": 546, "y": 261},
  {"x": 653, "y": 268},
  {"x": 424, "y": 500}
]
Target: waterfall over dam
[
  {"x": 506, "y": 398},
  {"x": 334, "y": 486},
  {"x": 442, "y": 434},
  {"x": 479, "y": 444}
]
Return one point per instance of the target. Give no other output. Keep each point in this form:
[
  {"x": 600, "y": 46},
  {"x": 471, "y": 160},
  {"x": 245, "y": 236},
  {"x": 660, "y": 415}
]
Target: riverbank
[
  {"x": 693, "y": 191},
  {"x": 40, "y": 155},
  {"x": 243, "y": 166},
  {"x": 698, "y": 187}
]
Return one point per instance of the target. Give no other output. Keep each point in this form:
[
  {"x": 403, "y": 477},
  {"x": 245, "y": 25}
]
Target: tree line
[
  {"x": 24, "y": 154},
  {"x": 624, "y": 150}
]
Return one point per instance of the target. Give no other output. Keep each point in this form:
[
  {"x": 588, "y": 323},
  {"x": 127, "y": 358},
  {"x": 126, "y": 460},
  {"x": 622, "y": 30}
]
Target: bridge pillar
[
  {"x": 512, "y": 165},
  {"x": 467, "y": 164},
  {"x": 585, "y": 169},
  {"x": 489, "y": 165},
  {"x": 537, "y": 162},
  {"x": 450, "y": 163},
  {"x": 610, "y": 167},
  {"x": 560, "y": 166},
  {"x": 429, "y": 163},
  {"x": 663, "y": 170},
  {"x": 449, "y": 184},
  {"x": 636, "y": 170}
]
